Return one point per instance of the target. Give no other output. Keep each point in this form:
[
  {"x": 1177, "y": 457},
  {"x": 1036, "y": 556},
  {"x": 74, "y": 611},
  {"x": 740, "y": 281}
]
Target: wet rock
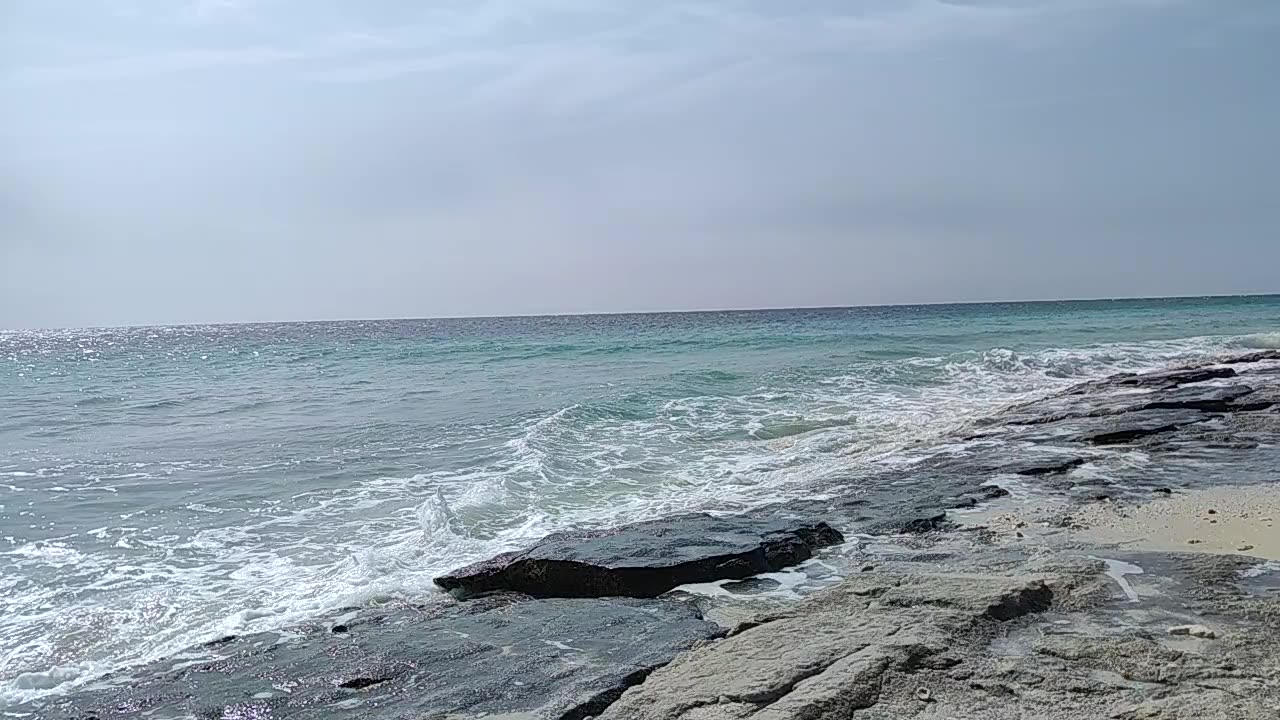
[
  {"x": 983, "y": 494},
  {"x": 751, "y": 586},
  {"x": 933, "y": 523},
  {"x": 1047, "y": 467},
  {"x": 1133, "y": 426},
  {"x": 1262, "y": 398},
  {"x": 1166, "y": 379},
  {"x": 557, "y": 659},
  {"x": 1205, "y": 399},
  {"x": 646, "y": 559},
  {"x": 1252, "y": 357},
  {"x": 360, "y": 683}
]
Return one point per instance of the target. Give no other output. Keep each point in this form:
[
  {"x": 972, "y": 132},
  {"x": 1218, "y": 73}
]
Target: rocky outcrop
[
  {"x": 1132, "y": 426},
  {"x": 646, "y": 559},
  {"x": 1065, "y": 644},
  {"x": 548, "y": 659},
  {"x": 830, "y": 656}
]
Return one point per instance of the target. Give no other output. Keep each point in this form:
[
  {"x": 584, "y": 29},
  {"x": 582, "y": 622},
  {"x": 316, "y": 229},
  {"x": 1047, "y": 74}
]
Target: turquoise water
[{"x": 164, "y": 486}]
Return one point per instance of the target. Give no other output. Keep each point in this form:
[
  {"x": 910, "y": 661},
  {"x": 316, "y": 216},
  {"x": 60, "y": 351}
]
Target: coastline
[{"x": 1090, "y": 604}]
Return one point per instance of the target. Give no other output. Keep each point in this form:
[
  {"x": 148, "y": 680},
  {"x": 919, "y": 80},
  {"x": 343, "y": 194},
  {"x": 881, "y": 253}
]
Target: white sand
[{"x": 1240, "y": 520}]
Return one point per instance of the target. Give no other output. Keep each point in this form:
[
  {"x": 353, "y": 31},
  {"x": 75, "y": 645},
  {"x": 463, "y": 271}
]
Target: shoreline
[{"x": 955, "y": 602}]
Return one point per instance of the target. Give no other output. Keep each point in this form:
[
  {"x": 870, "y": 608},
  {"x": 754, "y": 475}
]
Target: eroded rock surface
[
  {"x": 1063, "y": 644},
  {"x": 830, "y": 656},
  {"x": 547, "y": 659}
]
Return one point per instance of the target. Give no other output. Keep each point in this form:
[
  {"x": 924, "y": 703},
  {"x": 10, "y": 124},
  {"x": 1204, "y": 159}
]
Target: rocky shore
[{"x": 1084, "y": 555}]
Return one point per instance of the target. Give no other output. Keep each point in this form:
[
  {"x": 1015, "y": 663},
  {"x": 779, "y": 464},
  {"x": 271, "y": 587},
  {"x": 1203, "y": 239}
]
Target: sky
[{"x": 166, "y": 161}]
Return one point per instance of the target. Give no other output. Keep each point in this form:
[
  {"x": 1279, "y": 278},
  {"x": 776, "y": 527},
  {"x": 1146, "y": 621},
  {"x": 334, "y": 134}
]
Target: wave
[
  {"x": 1259, "y": 341},
  {"x": 780, "y": 430},
  {"x": 163, "y": 404},
  {"x": 684, "y": 441}
]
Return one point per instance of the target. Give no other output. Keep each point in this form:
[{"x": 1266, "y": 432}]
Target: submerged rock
[
  {"x": 553, "y": 659},
  {"x": 646, "y": 559}
]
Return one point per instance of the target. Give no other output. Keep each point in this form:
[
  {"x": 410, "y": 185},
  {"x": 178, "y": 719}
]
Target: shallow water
[{"x": 160, "y": 487}]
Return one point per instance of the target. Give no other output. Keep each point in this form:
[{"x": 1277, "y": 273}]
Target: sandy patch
[{"x": 1239, "y": 520}]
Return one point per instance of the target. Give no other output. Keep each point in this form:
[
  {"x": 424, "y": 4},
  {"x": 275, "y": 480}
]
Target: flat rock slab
[
  {"x": 1205, "y": 398},
  {"x": 1133, "y": 426},
  {"x": 539, "y": 659},
  {"x": 1166, "y": 379},
  {"x": 646, "y": 559},
  {"x": 829, "y": 656},
  {"x": 1056, "y": 638}
]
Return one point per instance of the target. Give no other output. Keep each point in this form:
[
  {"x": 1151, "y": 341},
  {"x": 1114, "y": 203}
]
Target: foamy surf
[{"x": 333, "y": 493}]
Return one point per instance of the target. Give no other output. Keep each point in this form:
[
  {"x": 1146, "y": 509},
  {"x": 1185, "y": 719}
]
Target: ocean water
[{"x": 164, "y": 486}]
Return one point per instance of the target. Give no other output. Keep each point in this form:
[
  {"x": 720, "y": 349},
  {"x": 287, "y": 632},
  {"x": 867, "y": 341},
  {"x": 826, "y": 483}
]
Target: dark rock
[
  {"x": 1032, "y": 597},
  {"x": 646, "y": 559},
  {"x": 360, "y": 683},
  {"x": 929, "y": 524},
  {"x": 1132, "y": 426},
  {"x": 219, "y": 641},
  {"x": 1047, "y": 467},
  {"x": 1262, "y": 398},
  {"x": 559, "y": 659},
  {"x": 1205, "y": 399},
  {"x": 1162, "y": 491},
  {"x": 1252, "y": 357},
  {"x": 1166, "y": 379},
  {"x": 751, "y": 586},
  {"x": 982, "y": 494}
]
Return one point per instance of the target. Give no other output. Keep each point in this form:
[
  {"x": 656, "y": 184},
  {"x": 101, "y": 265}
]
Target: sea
[{"x": 165, "y": 486}]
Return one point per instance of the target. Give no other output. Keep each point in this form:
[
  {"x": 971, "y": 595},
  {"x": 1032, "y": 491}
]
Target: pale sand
[{"x": 1237, "y": 520}]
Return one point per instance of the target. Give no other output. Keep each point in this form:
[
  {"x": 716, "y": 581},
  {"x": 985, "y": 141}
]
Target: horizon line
[{"x": 611, "y": 313}]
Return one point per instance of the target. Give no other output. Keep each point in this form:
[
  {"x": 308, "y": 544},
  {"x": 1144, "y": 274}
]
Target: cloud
[
  {"x": 400, "y": 158},
  {"x": 536, "y": 31}
]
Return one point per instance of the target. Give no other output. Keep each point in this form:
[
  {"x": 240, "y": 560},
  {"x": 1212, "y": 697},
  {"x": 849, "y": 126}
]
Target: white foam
[
  {"x": 1116, "y": 570},
  {"x": 386, "y": 537},
  {"x": 1261, "y": 341},
  {"x": 1261, "y": 569}
]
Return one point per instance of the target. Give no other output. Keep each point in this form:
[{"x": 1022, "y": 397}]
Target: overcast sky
[{"x": 223, "y": 160}]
